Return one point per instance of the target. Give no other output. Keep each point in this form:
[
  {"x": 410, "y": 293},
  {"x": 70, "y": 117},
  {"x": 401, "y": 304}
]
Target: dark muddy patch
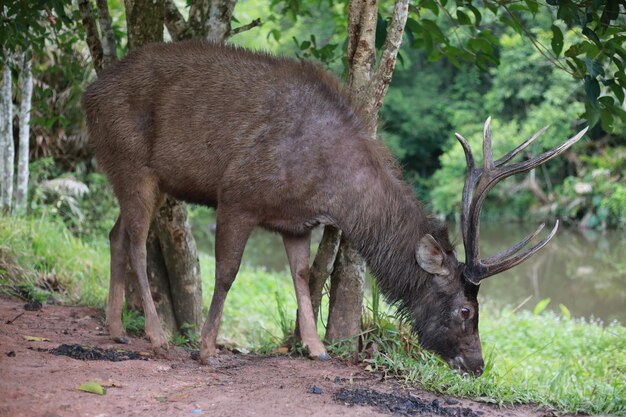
[
  {"x": 408, "y": 405},
  {"x": 87, "y": 353}
]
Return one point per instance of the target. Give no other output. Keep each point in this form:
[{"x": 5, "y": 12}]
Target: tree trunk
[
  {"x": 6, "y": 139},
  {"x": 180, "y": 254},
  {"x": 211, "y": 19},
  {"x": 26, "y": 87},
  {"x": 346, "y": 295}
]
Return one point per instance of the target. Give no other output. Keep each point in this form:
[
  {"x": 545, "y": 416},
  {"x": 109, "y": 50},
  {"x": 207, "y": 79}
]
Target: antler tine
[
  {"x": 543, "y": 158},
  {"x": 487, "y": 151},
  {"x": 489, "y": 270},
  {"x": 472, "y": 176},
  {"x": 513, "y": 249},
  {"x": 478, "y": 183},
  {"x": 506, "y": 158}
]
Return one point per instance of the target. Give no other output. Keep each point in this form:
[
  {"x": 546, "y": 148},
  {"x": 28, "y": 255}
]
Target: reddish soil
[{"x": 33, "y": 382}]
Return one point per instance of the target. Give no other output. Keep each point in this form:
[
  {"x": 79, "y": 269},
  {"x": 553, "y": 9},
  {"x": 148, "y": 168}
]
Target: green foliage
[
  {"x": 188, "y": 337},
  {"x": 590, "y": 33},
  {"x": 44, "y": 250},
  {"x": 133, "y": 321},
  {"x": 596, "y": 198},
  {"x": 26, "y": 24}
]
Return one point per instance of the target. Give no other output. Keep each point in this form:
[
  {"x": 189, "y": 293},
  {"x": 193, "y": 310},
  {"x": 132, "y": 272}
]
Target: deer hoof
[{"x": 324, "y": 357}]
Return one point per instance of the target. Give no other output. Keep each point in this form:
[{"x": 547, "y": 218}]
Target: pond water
[{"x": 584, "y": 271}]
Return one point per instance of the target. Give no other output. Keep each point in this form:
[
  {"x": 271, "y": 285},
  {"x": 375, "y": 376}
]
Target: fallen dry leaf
[
  {"x": 92, "y": 387},
  {"x": 36, "y": 338}
]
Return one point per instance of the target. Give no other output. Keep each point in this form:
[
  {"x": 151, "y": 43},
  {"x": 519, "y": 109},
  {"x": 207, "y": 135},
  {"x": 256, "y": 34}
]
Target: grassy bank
[{"x": 570, "y": 364}]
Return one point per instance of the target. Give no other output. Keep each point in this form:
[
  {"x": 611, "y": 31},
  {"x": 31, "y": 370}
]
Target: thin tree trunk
[
  {"x": 26, "y": 87},
  {"x": 6, "y": 133},
  {"x": 92, "y": 38},
  {"x": 346, "y": 295},
  {"x": 109, "y": 54},
  {"x": 211, "y": 18},
  {"x": 180, "y": 254}
]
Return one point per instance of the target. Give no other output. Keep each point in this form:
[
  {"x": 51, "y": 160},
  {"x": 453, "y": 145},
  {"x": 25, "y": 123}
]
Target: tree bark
[
  {"x": 93, "y": 40},
  {"x": 6, "y": 138},
  {"x": 180, "y": 254},
  {"x": 109, "y": 51},
  {"x": 26, "y": 87},
  {"x": 211, "y": 19},
  {"x": 145, "y": 20},
  {"x": 346, "y": 295}
]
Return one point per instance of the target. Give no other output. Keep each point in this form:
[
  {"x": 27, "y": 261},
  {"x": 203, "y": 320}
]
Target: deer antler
[{"x": 478, "y": 183}]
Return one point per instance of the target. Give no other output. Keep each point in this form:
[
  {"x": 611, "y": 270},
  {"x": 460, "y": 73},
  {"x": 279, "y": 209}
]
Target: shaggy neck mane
[{"x": 385, "y": 226}]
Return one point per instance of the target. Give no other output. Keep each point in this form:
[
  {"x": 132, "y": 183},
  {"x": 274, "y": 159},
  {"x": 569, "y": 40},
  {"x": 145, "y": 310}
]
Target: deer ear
[{"x": 430, "y": 256}]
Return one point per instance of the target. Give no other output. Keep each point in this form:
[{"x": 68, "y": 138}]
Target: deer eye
[{"x": 465, "y": 313}]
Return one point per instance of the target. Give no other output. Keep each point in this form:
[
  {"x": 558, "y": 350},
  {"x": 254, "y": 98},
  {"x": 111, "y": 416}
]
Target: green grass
[
  {"x": 570, "y": 364},
  {"x": 33, "y": 251},
  {"x": 541, "y": 358}
]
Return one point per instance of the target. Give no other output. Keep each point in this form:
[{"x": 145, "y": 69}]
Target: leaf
[
  {"x": 434, "y": 30},
  {"x": 36, "y": 338},
  {"x": 606, "y": 120},
  {"x": 430, "y": 5},
  {"x": 477, "y": 16},
  {"x": 594, "y": 67},
  {"x": 557, "y": 40},
  {"x": 413, "y": 25},
  {"x": 541, "y": 305},
  {"x": 532, "y": 6},
  {"x": 565, "y": 312},
  {"x": 463, "y": 18},
  {"x": 92, "y": 387},
  {"x": 617, "y": 91},
  {"x": 574, "y": 50},
  {"x": 592, "y": 88},
  {"x": 592, "y": 35},
  {"x": 592, "y": 114}
]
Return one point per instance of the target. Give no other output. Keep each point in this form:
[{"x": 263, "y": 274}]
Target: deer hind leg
[
  {"x": 298, "y": 251},
  {"x": 119, "y": 248},
  {"x": 138, "y": 202},
  {"x": 232, "y": 232}
]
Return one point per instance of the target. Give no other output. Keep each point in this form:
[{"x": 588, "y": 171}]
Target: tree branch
[
  {"x": 253, "y": 24},
  {"x": 109, "y": 54},
  {"x": 175, "y": 22},
  {"x": 93, "y": 38},
  {"x": 387, "y": 63}
]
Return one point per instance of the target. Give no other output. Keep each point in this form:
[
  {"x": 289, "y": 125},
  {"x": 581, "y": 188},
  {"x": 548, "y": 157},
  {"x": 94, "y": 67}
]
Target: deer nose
[{"x": 478, "y": 371}]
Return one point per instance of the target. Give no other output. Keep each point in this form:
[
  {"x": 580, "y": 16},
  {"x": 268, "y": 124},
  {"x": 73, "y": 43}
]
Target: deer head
[{"x": 449, "y": 320}]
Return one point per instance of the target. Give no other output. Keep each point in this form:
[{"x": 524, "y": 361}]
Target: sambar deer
[{"x": 276, "y": 143}]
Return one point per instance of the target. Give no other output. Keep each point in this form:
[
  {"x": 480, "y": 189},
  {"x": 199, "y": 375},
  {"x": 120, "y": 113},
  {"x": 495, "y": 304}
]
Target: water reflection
[{"x": 584, "y": 271}]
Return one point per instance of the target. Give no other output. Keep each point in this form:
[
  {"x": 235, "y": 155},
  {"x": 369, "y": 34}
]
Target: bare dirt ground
[{"x": 34, "y": 382}]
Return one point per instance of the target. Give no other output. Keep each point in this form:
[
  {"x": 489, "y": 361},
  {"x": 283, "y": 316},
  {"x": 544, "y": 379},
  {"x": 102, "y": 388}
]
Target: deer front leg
[
  {"x": 232, "y": 233},
  {"x": 298, "y": 251}
]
